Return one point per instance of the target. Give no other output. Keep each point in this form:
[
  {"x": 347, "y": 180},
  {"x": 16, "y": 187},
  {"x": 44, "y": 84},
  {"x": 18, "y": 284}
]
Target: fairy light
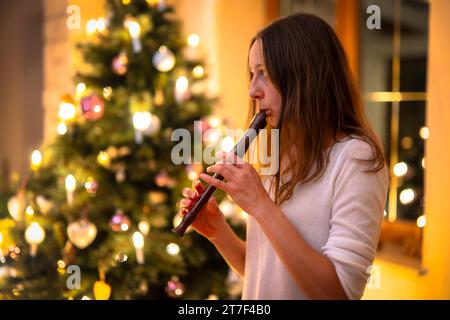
[
  {"x": 198, "y": 72},
  {"x": 34, "y": 235},
  {"x": 61, "y": 128},
  {"x": 103, "y": 158},
  {"x": 421, "y": 221},
  {"x": 424, "y": 133},
  {"x": 91, "y": 26},
  {"x": 173, "y": 249},
  {"x": 193, "y": 40},
  {"x": 71, "y": 184},
  {"x": 227, "y": 144},
  {"x": 36, "y": 160},
  {"x": 400, "y": 169},
  {"x": 138, "y": 242},
  {"x": 407, "y": 196},
  {"x": 29, "y": 211}
]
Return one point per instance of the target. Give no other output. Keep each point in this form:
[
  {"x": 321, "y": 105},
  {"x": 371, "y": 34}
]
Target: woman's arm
[{"x": 232, "y": 249}]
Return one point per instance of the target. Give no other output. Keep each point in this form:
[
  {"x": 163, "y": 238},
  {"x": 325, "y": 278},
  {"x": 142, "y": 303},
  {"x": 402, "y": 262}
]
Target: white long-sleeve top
[{"x": 339, "y": 215}]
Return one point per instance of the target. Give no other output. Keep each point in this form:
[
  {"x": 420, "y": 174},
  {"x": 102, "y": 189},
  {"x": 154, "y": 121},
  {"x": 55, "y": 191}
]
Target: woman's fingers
[
  {"x": 198, "y": 186},
  {"x": 186, "y": 203},
  {"x": 189, "y": 193}
]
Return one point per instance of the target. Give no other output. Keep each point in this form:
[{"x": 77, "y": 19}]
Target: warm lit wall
[{"x": 400, "y": 282}]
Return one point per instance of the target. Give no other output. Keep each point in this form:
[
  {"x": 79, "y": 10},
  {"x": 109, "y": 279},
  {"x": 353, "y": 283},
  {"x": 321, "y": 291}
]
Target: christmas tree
[{"x": 92, "y": 219}]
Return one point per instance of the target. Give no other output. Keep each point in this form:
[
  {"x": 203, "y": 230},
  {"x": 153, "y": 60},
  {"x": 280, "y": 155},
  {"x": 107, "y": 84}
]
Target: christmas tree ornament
[
  {"x": 182, "y": 89},
  {"x": 164, "y": 180},
  {"x": 138, "y": 242},
  {"x": 16, "y": 206},
  {"x": 34, "y": 235},
  {"x": 36, "y": 160},
  {"x": 174, "y": 288},
  {"x": 71, "y": 185},
  {"x": 102, "y": 290},
  {"x": 91, "y": 186},
  {"x": 144, "y": 227},
  {"x": 81, "y": 233},
  {"x": 163, "y": 59},
  {"x": 92, "y": 107},
  {"x": 119, "y": 221},
  {"x": 107, "y": 93},
  {"x": 119, "y": 64},
  {"x": 103, "y": 159},
  {"x": 67, "y": 110},
  {"x": 121, "y": 257},
  {"x": 121, "y": 174},
  {"x": 157, "y": 197},
  {"x": 134, "y": 29}
]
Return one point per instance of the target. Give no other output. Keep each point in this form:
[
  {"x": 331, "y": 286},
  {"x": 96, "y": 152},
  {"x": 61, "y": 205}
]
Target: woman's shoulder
[{"x": 355, "y": 147}]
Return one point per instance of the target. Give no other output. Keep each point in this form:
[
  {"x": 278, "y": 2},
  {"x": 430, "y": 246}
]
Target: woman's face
[{"x": 261, "y": 88}]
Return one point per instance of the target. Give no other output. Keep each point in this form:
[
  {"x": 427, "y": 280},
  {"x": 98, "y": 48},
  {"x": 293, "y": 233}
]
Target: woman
[{"x": 313, "y": 227}]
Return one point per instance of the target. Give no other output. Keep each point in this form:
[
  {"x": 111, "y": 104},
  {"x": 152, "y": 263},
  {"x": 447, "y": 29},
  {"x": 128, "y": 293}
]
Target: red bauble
[{"x": 92, "y": 107}]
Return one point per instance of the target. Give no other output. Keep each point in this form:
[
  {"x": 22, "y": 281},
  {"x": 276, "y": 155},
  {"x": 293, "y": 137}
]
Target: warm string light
[
  {"x": 61, "y": 128},
  {"x": 67, "y": 110},
  {"x": 34, "y": 235},
  {"x": 407, "y": 196},
  {"x": 36, "y": 160},
  {"x": 135, "y": 31},
  {"x": 193, "y": 40},
  {"x": 71, "y": 185},
  {"x": 400, "y": 169},
  {"x": 181, "y": 89},
  {"x": 141, "y": 122},
  {"x": 138, "y": 242}
]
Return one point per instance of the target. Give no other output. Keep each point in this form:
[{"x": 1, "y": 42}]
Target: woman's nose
[{"x": 255, "y": 91}]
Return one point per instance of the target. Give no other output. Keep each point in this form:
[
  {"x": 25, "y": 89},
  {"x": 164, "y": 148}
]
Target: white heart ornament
[
  {"x": 81, "y": 233},
  {"x": 16, "y": 206}
]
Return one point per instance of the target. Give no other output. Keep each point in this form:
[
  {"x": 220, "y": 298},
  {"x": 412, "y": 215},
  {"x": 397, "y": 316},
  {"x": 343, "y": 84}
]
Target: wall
[{"x": 21, "y": 84}]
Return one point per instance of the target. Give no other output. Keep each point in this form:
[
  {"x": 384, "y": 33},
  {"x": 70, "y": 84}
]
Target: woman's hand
[
  {"x": 243, "y": 184},
  {"x": 210, "y": 221}
]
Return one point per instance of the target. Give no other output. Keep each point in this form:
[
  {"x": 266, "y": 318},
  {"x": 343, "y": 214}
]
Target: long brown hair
[{"x": 307, "y": 65}]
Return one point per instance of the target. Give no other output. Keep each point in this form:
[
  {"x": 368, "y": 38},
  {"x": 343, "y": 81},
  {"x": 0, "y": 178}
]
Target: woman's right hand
[{"x": 210, "y": 220}]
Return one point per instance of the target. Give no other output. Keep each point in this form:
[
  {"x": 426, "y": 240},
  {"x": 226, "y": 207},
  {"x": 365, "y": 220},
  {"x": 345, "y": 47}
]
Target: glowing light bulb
[
  {"x": 227, "y": 144},
  {"x": 141, "y": 122},
  {"x": 103, "y": 158},
  {"x": 400, "y": 169},
  {"x": 61, "y": 129},
  {"x": 91, "y": 26},
  {"x": 138, "y": 242},
  {"x": 36, "y": 160},
  {"x": 80, "y": 89},
  {"x": 173, "y": 249},
  {"x": 423, "y": 162},
  {"x": 421, "y": 221},
  {"x": 407, "y": 196},
  {"x": 214, "y": 122},
  {"x": 193, "y": 40},
  {"x": 34, "y": 235},
  {"x": 424, "y": 133},
  {"x": 29, "y": 211},
  {"x": 71, "y": 185},
  {"x": 101, "y": 24},
  {"x": 135, "y": 31},
  {"x": 67, "y": 111},
  {"x": 182, "y": 84},
  {"x": 198, "y": 71}
]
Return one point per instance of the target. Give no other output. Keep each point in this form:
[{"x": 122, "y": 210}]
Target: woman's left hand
[{"x": 243, "y": 183}]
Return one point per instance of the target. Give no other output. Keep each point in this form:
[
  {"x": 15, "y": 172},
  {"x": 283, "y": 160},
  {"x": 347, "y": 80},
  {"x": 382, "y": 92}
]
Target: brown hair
[{"x": 307, "y": 65}]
